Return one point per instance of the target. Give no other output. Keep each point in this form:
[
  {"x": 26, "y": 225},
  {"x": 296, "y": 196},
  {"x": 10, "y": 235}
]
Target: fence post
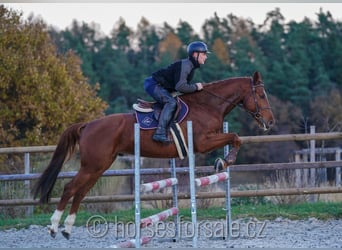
[
  {"x": 312, "y": 159},
  {"x": 27, "y": 184},
  {"x": 298, "y": 172},
  {"x": 338, "y": 169}
]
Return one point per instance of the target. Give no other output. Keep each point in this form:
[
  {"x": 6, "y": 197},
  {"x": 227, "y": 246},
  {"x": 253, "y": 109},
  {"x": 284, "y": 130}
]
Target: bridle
[{"x": 257, "y": 114}]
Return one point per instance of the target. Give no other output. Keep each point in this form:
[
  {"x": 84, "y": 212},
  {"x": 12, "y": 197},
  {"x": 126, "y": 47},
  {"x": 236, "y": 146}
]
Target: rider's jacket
[{"x": 177, "y": 76}]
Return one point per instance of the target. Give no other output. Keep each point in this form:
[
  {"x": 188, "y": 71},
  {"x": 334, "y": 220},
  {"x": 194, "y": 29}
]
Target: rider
[{"x": 175, "y": 77}]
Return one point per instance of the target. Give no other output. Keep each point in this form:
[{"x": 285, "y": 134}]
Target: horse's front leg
[
  {"x": 218, "y": 140},
  {"x": 231, "y": 157}
]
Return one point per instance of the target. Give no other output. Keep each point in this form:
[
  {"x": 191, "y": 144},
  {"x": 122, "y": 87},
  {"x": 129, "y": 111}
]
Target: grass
[{"x": 319, "y": 210}]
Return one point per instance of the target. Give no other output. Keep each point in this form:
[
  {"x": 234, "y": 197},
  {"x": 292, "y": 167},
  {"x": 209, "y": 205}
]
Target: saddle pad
[{"x": 148, "y": 121}]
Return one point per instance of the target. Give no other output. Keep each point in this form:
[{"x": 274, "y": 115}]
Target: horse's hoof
[
  {"x": 230, "y": 160},
  {"x": 231, "y": 157},
  {"x": 52, "y": 233},
  {"x": 219, "y": 165},
  {"x": 66, "y": 234}
]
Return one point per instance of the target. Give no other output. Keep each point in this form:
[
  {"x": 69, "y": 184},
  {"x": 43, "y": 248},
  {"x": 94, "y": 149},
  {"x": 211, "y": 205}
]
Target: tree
[
  {"x": 170, "y": 45},
  {"x": 217, "y": 27},
  {"x": 148, "y": 40},
  {"x": 331, "y": 45},
  {"x": 186, "y": 33},
  {"x": 271, "y": 42},
  {"x": 41, "y": 93},
  {"x": 221, "y": 51},
  {"x": 85, "y": 41},
  {"x": 121, "y": 35},
  {"x": 326, "y": 111}
]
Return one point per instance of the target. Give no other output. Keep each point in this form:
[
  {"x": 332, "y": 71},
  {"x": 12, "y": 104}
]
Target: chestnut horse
[{"x": 101, "y": 140}]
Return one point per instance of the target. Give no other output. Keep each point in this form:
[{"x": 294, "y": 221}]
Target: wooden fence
[{"x": 238, "y": 168}]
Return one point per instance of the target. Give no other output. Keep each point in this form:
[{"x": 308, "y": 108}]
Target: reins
[{"x": 222, "y": 98}]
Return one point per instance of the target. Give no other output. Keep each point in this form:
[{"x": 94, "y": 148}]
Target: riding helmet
[{"x": 197, "y": 46}]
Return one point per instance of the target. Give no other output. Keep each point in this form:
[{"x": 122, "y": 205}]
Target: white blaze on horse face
[
  {"x": 69, "y": 222},
  {"x": 55, "y": 218}
]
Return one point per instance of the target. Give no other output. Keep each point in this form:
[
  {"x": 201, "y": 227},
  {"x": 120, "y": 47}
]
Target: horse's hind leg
[
  {"x": 90, "y": 181},
  {"x": 56, "y": 217},
  {"x": 80, "y": 182}
]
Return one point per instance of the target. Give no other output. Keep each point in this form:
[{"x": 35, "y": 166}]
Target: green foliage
[
  {"x": 246, "y": 201},
  {"x": 326, "y": 111},
  {"x": 40, "y": 92}
]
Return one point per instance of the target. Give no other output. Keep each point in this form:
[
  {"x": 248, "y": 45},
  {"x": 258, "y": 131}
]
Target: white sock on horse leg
[
  {"x": 69, "y": 222},
  {"x": 55, "y": 218}
]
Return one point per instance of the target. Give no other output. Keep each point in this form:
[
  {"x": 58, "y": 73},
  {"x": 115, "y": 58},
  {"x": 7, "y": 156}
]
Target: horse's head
[{"x": 256, "y": 103}]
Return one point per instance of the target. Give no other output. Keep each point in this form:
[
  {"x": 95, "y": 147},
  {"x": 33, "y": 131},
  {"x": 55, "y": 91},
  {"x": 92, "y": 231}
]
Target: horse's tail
[{"x": 64, "y": 150}]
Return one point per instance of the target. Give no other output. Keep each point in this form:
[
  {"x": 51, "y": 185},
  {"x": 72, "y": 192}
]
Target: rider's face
[{"x": 201, "y": 57}]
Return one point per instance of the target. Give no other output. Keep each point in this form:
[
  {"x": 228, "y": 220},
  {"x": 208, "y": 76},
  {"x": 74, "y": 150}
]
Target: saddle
[
  {"x": 143, "y": 106},
  {"x": 152, "y": 110}
]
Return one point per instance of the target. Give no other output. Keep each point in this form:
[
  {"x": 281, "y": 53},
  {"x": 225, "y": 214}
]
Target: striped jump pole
[
  {"x": 158, "y": 217},
  {"x": 132, "y": 243},
  {"x": 211, "y": 179},
  {"x": 157, "y": 185}
]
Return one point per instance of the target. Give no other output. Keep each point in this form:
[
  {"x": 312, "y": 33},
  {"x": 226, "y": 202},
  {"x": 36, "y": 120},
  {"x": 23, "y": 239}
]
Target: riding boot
[
  {"x": 161, "y": 135},
  {"x": 164, "y": 119}
]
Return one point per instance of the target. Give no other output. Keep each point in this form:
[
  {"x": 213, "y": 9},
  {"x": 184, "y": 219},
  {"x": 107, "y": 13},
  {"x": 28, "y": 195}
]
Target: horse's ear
[{"x": 257, "y": 77}]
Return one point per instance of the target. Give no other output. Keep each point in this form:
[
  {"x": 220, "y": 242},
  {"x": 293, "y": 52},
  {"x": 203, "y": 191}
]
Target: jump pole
[
  {"x": 227, "y": 187},
  {"x": 192, "y": 184},
  {"x": 175, "y": 197},
  {"x": 137, "y": 183}
]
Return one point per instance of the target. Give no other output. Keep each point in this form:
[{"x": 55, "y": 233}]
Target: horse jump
[
  {"x": 157, "y": 185},
  {"x": 205, "y": 181},
  {"x": 149, "y": 187}
]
